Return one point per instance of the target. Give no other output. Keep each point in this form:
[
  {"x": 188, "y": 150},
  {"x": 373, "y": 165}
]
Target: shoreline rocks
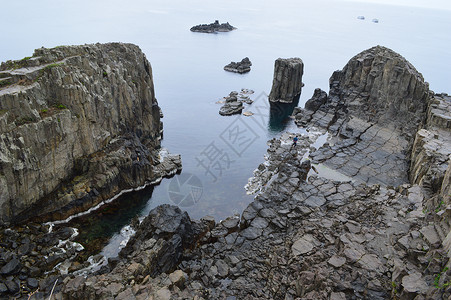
[
  {"x": 214, "y": 27},
  {"x": 244, "y": 66}
]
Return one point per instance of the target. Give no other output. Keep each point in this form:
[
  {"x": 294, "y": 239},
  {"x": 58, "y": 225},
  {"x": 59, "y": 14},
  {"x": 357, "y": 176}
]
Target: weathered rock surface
[
  {"x": 240, "y": 67},
  {"x": 287, "y": 83},
  {"x": 213, "y": 27},
  {"x": 77, "y": 125}
]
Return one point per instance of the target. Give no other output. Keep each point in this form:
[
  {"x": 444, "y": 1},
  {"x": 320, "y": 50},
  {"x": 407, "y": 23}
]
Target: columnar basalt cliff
[
  {"x": 287, "y": 82},
  {"x": 77, "y": 125},
  {"x": 374, "y": 108},
  {"x": 373, "y": 221}
]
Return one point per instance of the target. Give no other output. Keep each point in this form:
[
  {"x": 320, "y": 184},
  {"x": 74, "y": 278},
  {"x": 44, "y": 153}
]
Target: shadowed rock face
[
  {"x": 77, "y": 125},
  {"x": 287, "y": 82}
]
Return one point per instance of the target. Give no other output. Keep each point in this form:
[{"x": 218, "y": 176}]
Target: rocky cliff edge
[{"x": 77, "y": 125}]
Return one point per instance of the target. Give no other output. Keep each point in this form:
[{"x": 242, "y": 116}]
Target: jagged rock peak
[{"x": 382, "y": 84}]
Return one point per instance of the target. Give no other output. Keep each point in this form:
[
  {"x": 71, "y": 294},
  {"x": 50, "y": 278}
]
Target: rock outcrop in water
[
  {"x": 240, "y": 67},
  {"x": 213, "y": 27},
  {"x": 78, "y": 124},
  {"x": 287, "y": 83},
  {"x": 234, "y": 102}
]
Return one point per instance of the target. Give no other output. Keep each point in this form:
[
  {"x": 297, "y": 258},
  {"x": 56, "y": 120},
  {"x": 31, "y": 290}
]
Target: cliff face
[{"x": 77, "y": 124}]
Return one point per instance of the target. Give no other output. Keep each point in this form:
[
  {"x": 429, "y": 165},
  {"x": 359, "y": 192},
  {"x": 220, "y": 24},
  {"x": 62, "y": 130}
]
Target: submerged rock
[
  {"x": 213, "y": 27},
  {"x": 241, "y": 67}
]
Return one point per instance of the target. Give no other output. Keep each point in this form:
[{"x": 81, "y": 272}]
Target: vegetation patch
[
  {"x": 46, "y": 68},
  {"x": 4, "y": 83},
  {"x": 25, "y": 120}
]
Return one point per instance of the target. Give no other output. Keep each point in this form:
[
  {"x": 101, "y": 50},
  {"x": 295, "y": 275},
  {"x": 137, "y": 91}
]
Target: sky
[{"x": 435, "y": 4}]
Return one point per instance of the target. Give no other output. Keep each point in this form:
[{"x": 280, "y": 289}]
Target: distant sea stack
[
  {"x": 241, "y": 67},
  {"x": 78, "y": 124},
  {"x": 213, "y": 27},
  {"x": 287, "y": 82}
]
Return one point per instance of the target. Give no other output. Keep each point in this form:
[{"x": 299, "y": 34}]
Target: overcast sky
[{"x": 436, "y": 4}]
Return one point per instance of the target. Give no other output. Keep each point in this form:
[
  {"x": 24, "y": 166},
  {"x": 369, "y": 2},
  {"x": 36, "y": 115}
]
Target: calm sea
[{"x": 219, "y": 153}]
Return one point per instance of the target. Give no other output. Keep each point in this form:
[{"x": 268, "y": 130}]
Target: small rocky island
[
  {"x": 244, "y": 66},
  {"x": 233, "y": 103},
  {"x": 214, "y": 27}
]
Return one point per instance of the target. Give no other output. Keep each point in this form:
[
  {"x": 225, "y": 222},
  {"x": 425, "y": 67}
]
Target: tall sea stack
[{"x": 287, "y": 82}]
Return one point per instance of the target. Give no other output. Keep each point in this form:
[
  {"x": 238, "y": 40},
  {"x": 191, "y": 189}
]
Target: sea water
[{"x": 220, "y": 153}]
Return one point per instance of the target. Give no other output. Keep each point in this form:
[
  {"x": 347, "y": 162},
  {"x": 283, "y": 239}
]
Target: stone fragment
[
  {"x": 178, "y": 278},
  {"x": 163, "y": 294},
  {"x": 353, "y": 227},
  {"x": 223, "y": 268},
  {"x": 337, "y": 261},
  {"x": 302, "y": 246},
  {"x": 241, "y": 67},
  {"x": 414, "y": 283},
  {"x": 430, "y": 234},
  {"x": 370, "y": 262},
  {"x": 287, "y": 82}
]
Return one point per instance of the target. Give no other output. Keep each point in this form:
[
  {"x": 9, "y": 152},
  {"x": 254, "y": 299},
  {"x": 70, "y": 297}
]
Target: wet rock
[
  {"x": 13, "y": 286},
  {"x": 12, "y": 267}
]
